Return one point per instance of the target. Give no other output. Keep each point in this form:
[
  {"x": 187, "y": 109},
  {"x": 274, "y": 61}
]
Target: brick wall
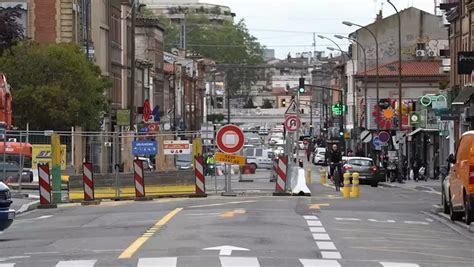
[{"x": 45, "y": 21}]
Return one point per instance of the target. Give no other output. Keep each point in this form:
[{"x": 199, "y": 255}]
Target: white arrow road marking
[
  {"x": 398, "y": 264},
  {"x": 239, "y": 262},
  {"x": 226, "y": 250},
  {"x": 319, "y": 263},
  {"x": 162, "y": 262}
]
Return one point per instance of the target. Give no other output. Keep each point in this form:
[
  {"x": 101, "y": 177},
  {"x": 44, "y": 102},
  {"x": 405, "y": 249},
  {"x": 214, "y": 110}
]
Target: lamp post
[
  {"x": 350, "y": 24},
  {"x": 400, "y": 105}
]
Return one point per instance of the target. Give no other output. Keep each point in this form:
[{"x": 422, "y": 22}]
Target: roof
[{"x": 413, "y": 68}]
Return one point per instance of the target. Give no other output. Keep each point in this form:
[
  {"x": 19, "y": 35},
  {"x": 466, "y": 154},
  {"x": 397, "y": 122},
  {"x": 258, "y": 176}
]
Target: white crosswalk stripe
[
  {"x": 81, "y": 263},
  {"x": 162, "y": 262},
  {"x": 239, "y": 262},
  {"x": 329, "y": 259}
]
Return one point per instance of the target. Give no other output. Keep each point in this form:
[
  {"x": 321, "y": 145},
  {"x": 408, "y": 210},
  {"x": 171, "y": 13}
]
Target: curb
[{"x": 27, "y": 207}]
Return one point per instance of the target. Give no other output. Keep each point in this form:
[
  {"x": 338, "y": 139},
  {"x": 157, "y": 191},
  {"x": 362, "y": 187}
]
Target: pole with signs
[{"x": 230, "y": 140}]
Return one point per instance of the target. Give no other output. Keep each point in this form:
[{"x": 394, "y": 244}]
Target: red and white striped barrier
[
  {"x": 139, "y": 178},
  {"x": 281, "y": 177},
  {"x": 44, "y": 186},
  {"x": 88, "y": 177},
  {"x": 199, "y": 174}
]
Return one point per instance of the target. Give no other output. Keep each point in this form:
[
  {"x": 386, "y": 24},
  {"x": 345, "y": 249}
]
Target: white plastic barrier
[{"x": 298, "y": 182}]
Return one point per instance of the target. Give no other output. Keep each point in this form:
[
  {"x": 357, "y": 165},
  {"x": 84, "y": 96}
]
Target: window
[
  {"x": 116, "y": 27},
  {"x": 258, "y": 152},
  {"x": 360, "y": 162},
  {"x": 116, "y": 88}
]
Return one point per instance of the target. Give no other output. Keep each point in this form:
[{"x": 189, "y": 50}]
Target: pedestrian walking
[
  {"x": 416, "y": 165},
  {"x": 309, "y": 150}
]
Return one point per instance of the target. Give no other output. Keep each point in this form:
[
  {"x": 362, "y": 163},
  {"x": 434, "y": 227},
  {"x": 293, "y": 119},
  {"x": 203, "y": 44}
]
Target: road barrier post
[
  {"x": 346, "y": 190},
  {"x": 309, "y": 176},
  {"x": 200, "y": 178},
  {"x": 280, "y": 185},
  {"x": 323, "y": 175},
  {"x": 45, "y": 187},
  {"x": 139, "y": 180},
  {"x": 88, "y": 184},
  {"x": 355, "y": 185}
]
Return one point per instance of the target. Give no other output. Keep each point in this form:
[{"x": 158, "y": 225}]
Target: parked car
[
  {"x": 369, "y": 173},
  {"x": 259, "y": 158},
  {"x": 10, "y": 173},
  {"x": 461, "y": 180},
  {"x": 184, "y": 162},
  {"x": 263, "y": 131},
  {"x": 319, "y": 155},
  {"x": 7, "y": 215}
]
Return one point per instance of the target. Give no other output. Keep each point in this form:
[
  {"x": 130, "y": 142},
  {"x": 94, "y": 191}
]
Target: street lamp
[
  {"x": 350, "y": 24},
  {"x": 365, "y": 72},
  {"x": 324, "y": 37}
]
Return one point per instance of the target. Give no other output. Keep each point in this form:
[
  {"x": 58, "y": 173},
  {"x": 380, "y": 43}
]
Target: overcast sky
[{"x": 287, "y": 25}]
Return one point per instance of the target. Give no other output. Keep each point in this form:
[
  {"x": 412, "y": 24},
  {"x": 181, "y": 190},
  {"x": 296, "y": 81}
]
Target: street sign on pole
[
  {"x": 366, "y": 136},
  {"x": 376, "y": 141},
  {"x": 229, "y": 159},
  {"x": 230, "y": 139},
  {"x": 292, "y": 108},
  {"x": 384, "y": 137},
  {"x": 176, "y": 147},
  {"x": 292, "y": 123}
]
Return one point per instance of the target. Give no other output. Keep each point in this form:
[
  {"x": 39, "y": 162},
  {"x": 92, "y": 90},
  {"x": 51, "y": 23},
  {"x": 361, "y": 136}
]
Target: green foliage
[
  {"x": 54, "y": 86},
  {"x": 215, "y": 118},
  {"x": 11, "y": 30}
]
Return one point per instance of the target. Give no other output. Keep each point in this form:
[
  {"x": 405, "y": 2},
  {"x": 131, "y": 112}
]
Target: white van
[{"x": 259, "y": 157}]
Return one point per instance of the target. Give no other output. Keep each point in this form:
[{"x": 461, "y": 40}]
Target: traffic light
[
  {"x": 283, "y": 102},
  {"x": 301, "y": 88}
]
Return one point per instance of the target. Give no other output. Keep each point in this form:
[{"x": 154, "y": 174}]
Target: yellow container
[
  {"x": 309, "y": 176},
  {"x": 346, "y": 191},
  {"x": 322, "y": 174},
  {"x": 355, "y": 185}
]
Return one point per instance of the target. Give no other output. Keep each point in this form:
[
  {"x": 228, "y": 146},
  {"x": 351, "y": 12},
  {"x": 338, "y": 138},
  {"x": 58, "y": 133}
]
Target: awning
[
  {"x": 428, "y": 130},
  {"x": 464, "y": 96}
]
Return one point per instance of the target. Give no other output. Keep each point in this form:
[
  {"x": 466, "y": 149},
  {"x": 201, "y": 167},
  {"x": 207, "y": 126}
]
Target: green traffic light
[
  {"x": 341, "y": 133},
  {"x": 301, "y": 90}
]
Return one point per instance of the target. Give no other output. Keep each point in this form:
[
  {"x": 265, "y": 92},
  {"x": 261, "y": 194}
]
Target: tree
[
  {"x": 11, "y": 31},
  {"x": 54, "y": 86}
]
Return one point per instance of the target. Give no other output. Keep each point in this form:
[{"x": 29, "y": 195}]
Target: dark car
[
  {"x": 10, "y": 172},
  {"x": 369, "y": 173},
  {"x": 7, "y": 215}
]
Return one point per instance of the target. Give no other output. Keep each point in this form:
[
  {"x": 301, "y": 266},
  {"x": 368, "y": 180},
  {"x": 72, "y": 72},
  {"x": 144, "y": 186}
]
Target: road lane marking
[
  {"x": 81, "y": 263},
  {"x": 398, "y": 264},
  {"x": 321, "y": 237},
  {"x": 230, "y": 214},
  {"x": 382, "y": 221},
  {"x": 319, "y": 263},
  {"x": 326, "y": 245},
  {"x": 43, "y": 217},
  {"x": 416, "y": 222},
  {"x": 318, "y": 206},
  {"x": 7, "y": 264},
  {"x": 13, "y": 258},
  {"x": 347, "y": 219},
  {"x": 239, "y": 262},
  {"x": 314, "y": 223},
  {"x": 161, "y": 262},
  {"x": 430, "y": 220},
  {"x": 128, "y": 252},
  {"x": 310, "y": 217},
  {"x": 331, "y": 255},
  {"x": 317, "y": 230},
  {"x": 222, "y": 204}
]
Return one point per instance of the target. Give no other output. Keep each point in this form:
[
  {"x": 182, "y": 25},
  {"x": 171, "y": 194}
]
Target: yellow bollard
[
  {"x": 322, "y": 174},
  {"x": 355, "y": 185},
  {"x": 346, "y": 191},
  {"x": 309, "y": 176}
]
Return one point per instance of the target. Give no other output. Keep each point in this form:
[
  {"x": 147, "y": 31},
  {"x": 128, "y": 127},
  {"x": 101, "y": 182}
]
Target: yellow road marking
[
  {"x": 128, "y": 252},
  {"x": 318, "y": 206},
  {"x": 229, "y": 214}
]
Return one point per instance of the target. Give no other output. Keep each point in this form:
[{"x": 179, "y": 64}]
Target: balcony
[{"x": 448, "y": 4}]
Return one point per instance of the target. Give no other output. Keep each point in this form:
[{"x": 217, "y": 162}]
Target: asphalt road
[{"x": 386, "y": 226}]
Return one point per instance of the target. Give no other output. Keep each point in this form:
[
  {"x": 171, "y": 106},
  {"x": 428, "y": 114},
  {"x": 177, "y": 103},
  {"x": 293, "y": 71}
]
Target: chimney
[{"x": 379, "y": 16}]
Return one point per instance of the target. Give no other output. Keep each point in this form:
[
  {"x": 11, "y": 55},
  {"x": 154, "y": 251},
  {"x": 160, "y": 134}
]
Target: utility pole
[{"x": 131, "y": 100}]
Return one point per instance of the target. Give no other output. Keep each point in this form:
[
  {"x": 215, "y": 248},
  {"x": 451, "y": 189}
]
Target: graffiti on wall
[{"x": 388, "y": 48}]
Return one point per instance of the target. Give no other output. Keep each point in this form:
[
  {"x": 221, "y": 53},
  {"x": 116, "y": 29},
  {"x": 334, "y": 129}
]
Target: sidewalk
[
  {"x": 429, "y": 186},
  {"x": 23, "y": 204}
]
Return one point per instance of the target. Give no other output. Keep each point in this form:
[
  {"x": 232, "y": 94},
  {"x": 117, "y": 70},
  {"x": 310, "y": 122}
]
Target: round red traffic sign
[
  {"x": 230, "y": 139},
  {"x": 292, "y": 123}
]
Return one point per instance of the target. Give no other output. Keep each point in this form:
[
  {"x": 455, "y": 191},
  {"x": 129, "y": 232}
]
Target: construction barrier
[
  {"x": 45, "y": 186},
  {"x": 199, "y": 175},
  {"x": 323, "y": 175},
  {"x": 139, "y": 178},
  {"x": 280, "y": 185},
  {"x": 346, "y": 190},
  {"x": 298, "y": 182},
  {"x": 88, "y": 177},
  {"x": 355, "y": 185}
]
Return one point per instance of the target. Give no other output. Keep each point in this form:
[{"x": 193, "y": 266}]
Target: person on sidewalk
[
  {"x": 416, "y": 165},
  {"x": 309, "y": 150}
]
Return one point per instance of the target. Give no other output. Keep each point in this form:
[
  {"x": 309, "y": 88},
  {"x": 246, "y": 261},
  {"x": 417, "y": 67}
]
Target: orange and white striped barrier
[
  {"x": 200, "y": 178},
  {"x": 45, "y": 186},
  {"x": 139, "y": 178}
]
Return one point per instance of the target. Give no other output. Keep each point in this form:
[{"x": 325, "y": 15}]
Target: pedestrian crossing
[{"x": 226, "y": 261}]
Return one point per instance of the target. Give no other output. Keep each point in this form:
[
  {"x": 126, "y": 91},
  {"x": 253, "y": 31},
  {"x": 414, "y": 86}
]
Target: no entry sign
[
  {"x": 292, "y": 123},
  {"x": 230, "y": 139}
]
